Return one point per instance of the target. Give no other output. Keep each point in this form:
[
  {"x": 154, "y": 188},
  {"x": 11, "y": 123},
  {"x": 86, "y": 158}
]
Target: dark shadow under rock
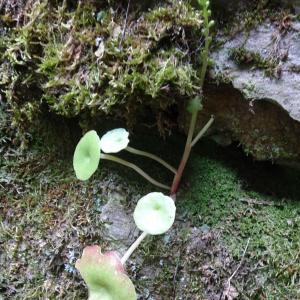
[{"x": 263, "y": 128}]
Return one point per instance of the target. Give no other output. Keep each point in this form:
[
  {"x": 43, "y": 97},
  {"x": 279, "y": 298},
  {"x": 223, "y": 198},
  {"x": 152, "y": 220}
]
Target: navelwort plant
[
  {"x": 104, "y": 274},
  {"x": 154, "y": 214}
]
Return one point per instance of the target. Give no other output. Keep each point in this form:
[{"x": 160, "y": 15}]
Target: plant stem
[
  {"x": 133, "y": 247},
  {"x": 205, "y": 62},
  {"x": 202, "y": 131},
  {"x": 152, "y": 156},
  {"x": 134, "y": 167},
  {"x": 185, "y": 155},
  {"x": 188, "y": 145},
  {"x": 207, "y": 43}
]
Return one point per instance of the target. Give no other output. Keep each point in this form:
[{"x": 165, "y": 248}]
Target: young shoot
[
  {"x": 195, "y": 104},
  {"x": 88, "y": 153},
  {"x": 202, "y": 131}
]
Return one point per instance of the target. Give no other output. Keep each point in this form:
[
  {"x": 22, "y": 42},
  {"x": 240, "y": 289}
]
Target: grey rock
[
  {"x": 119, "y": 224},
  {"x": 232, "y": 6},
  {"x": 258, "y": 103},
  {"x": 268, "y": 42}
]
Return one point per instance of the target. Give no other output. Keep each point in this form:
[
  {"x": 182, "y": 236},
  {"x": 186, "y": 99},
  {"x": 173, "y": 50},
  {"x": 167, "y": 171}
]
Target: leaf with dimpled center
[
  {"x": 87, "y": 155},
  {"x": 104, "y": 275},
  {"x": 154, "y": 213},
  {"x": 114, "y": 140}
]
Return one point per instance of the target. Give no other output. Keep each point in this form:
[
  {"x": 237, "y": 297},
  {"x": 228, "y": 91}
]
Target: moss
[
  {"x": 42, "y": 201},
  {"x": 246, "y": 200},
  {"x": 221, "y": 78},
  {"x": 244, "y": 57},
  {"x": 79, "y": 61}
]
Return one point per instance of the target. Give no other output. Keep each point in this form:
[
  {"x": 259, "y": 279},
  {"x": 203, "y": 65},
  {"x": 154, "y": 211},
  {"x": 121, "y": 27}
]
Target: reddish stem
[
  {"x": 177, "y": 177},
  {"x": 185, "y": 156}
]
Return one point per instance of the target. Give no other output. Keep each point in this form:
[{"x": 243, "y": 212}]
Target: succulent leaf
[
  {"x": 114, "y": 140},
  {"x": 87, "y": 155},
  {"x": 104, "y": 275},
  {"x": 154, "y": 213}
]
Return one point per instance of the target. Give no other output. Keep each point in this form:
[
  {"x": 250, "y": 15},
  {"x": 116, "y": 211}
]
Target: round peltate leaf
[
  {"x": 154, "y": 213},
  {"x": 104, "y": 275},
  {"x": 87, "y": 155},
  {"x": 114, "y": 140}
]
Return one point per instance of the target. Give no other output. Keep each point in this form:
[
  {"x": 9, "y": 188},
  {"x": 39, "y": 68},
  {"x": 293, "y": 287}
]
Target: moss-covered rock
[
  {"x": 256, "y": 96},
  {"x": 87, "y": 59}
]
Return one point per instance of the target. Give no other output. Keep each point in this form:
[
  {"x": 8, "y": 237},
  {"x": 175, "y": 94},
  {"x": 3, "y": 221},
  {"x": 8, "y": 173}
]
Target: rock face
[
  {"x": 257, "y": 97},
  {"x": 231, "y": 6},
  {"x": 119, "y": 224},
  {"x": 246, "y": 58}
]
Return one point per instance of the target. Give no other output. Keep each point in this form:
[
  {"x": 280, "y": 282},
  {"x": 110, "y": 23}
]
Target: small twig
[
  {"x": 125, "y": 25},
  {"x": 257, "y": 202},
  {"x": 241, "y": 261},
  {"x": 238, "y": 267},
  {"x": 175, "y": 273}
]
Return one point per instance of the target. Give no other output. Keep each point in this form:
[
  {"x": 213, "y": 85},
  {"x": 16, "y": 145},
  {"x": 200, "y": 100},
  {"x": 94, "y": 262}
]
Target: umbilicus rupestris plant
[
  {"x": 104, "y": 274},
  {"x": 154, "y": 214}
]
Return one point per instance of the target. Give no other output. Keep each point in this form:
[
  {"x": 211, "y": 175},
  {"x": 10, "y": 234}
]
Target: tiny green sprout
[
  {"x": 114, "y": 140},
  {"x": 104, "y": 275},
  {"x": 194, "y": 105},
  {"x": 87, "y": 155},
  {"x": 154, "y": 213}
]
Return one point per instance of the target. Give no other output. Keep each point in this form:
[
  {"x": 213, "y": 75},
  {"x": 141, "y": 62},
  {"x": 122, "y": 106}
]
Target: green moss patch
[
  {"x": 245, "y": 201},
  {"x": 247, "y": 58},
  {"x": 47, "y": 217},
  {"x": 87, "y": 61}
]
